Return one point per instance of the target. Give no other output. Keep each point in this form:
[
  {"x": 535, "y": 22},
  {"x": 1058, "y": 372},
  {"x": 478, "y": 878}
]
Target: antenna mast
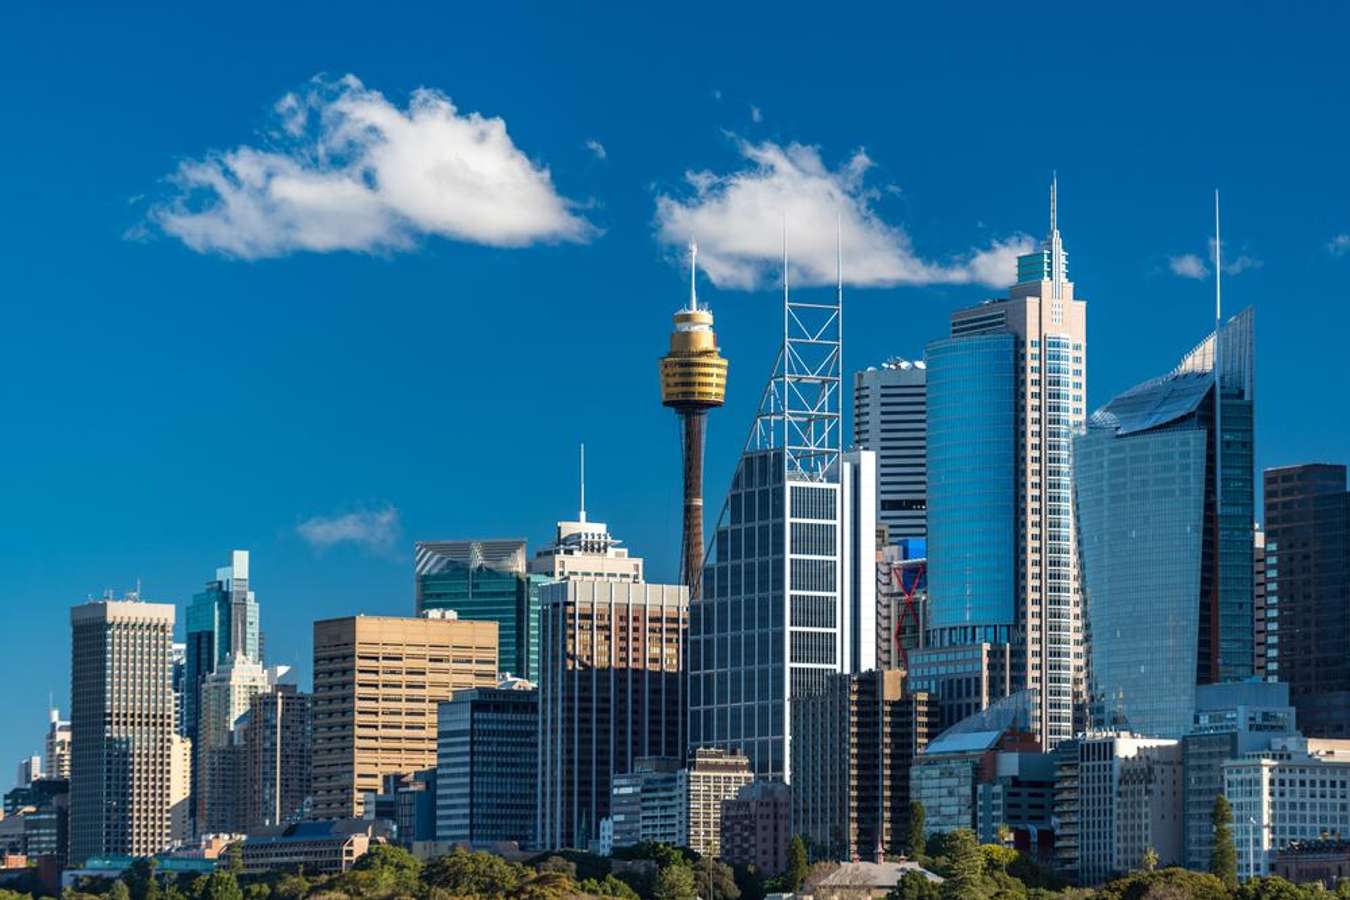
[{"x": 582, "y": 516}]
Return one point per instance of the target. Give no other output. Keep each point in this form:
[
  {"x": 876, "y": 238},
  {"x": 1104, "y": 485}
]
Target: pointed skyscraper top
[{"x": 1049, "y": 262}]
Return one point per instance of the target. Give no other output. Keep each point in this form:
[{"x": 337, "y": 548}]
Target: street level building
[
  {"x": 122, "y": 727},
  {"x": 662, "y": 802},
  {"x": 323, "y": 848},
  {"x": 757, "y": 826},
  {"x": 377, "y": 682}
]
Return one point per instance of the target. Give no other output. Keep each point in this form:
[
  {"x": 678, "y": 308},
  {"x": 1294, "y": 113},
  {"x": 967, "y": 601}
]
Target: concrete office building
[
  {"x": 1231, "y": 720},
  {"x": 902, "y": 602},
  {"x": 661, "y": 802},
  {"x": 1294, "y": 791},
  {"x": 1123, "y": 795},
  {"x": 220, "y": 790},
  {"x": 121, "y": 727},
  {"x": 1005, "y": 397},
  {"x": 756, "y": 827},
  {"x": 484, "y": 581},
  {"x": 277, "y": 746},
  {"x": 890, "y": 418},
  {"x": 611, "y": 692},
  {"x": 56, "y": 757},
  {"x": 322, "y": 848},
  {"x": 180, "y": 791},
  {"x": 29, "y": 770},
  {"x": 377, "y": 681},
  {"x": 1306, "y": 638},
  {"x": 487, "y": 750},
  {"x": 221, "y": 621},
  {"x": 854, "y": 743},
  {"x": 1146, "y": 486}
]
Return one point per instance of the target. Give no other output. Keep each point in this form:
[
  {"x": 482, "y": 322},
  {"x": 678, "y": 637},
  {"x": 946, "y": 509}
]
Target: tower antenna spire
[
  {"x": 693, "y": 273},
  {"x": 839, "y": 255},
  {"x": 1054, "y": 191},
  {"x": 581, "y": 517}
]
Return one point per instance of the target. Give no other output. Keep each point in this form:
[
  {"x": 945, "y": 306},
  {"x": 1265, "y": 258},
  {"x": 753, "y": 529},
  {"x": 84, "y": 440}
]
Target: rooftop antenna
[
  {"x": 693, "y": 274},
  {"x": 582, "y": 517}
]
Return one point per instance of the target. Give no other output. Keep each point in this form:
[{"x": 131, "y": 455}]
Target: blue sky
[{"x": 330, "y": 362}]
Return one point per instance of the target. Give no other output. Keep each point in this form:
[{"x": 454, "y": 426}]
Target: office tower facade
[
  {"x": 662, "y": 802},
  {"x": 1294, "y": 792},
  {"x": 853, "y": 745},
  {"x": 487, "y": 750},
  {"x": 890, "y": 418},
  {"x": 1232, "y": 720},
  {"x": 712, "y": 777},
  {"x": 1307, "y": 593},
  {"x": 179, "y": 656},
  {"x": 484, "y": 581},
  {"x": 277, "y": 747},
  {"x": 1123, "y": 798},
  {"x": 377, "y": 681},
  {"x": 611, "y": 685},
  {"x": 121, "y": 726},
  {"x": 1260, "y": 627},
  {"x": 221, "y": 621},
  {"x": 180, "y": 791},
  {"x": 902, "y": 602},
  {"x": 1155, "y": 538},
  {"x": 219, "y": 789},
  {"x": 1005, "y": 396},
  {"x": 693, "y": 381},
  {"x": 757, "y": 826},
  {"x": 56, "y": 757}
]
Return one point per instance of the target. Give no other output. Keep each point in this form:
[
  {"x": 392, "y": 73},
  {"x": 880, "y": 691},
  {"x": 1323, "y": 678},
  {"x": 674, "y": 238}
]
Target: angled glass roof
[{"x": 1154, "y": 403}]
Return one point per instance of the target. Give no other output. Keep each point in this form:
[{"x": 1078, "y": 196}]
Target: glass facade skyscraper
[
  {"x": 221, "y": 620},
  {"x": 485, "y": 581},
  {"x": 1167, "y": 566}
]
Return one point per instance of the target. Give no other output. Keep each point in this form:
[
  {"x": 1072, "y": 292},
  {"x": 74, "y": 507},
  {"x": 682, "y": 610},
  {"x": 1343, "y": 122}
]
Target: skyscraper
[
  {"x": 693, "y": 381},
  {"x": 277, "y": 741},
  {"x": 1005, "y": 396},
  {"x": 377, "y": 680},
  {"x": 221, "y": 790},
  {"x": 1168, "y": 578},
  {"x": 122, "y": 727},
  {"x": 611, "y": 686},
  {"x": 57, "y": 756},
  {"x": 484, "y": 581},
  {"x": 789, "y": 585},
  {"x": 1307, "y": 593},
  {"x": 890, "y": 412},
  {"x": 221, "y": 620}
]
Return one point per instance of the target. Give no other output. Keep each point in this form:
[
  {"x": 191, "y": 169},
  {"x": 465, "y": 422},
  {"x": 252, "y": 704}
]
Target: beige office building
[
  {"x": 180, "y": 791},
  {"x": 377, "y": 681},
  {"x": 713, "y": 776},
  {"x": 121, "y": 726},
  {"x": 1049, "y": 329},
  {"x": 226, "y": 694}
]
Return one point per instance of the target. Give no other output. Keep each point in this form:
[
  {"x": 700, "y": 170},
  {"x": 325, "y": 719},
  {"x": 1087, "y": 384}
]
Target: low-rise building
[
  {"x": 756, "y": 827},
  {"x": 1298, "y": 790},
  {"x": 663, "y": 803},
  {"x": 1303, "y": 862},
  {"x": 319, "y": 847}
]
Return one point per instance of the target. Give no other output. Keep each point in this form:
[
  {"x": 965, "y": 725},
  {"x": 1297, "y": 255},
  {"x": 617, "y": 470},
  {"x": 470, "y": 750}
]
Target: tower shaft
[{"x": 693, "y": 427}]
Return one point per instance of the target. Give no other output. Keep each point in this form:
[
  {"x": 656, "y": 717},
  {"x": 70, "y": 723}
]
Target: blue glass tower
[
  {"x": 221, "y": 620},
  {"x": 1165, "y": 513}
]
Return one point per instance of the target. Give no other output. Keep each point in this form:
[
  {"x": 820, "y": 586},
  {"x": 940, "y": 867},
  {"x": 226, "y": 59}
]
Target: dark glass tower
[
  {"x": 1165, "y": 516},
  {"x": 221, "y": 620},
  {"x": 1307, "y": 634}
]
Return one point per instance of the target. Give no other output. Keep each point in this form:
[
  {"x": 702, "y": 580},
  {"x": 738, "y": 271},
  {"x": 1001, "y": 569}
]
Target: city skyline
[{"x": 330, "y": 484}]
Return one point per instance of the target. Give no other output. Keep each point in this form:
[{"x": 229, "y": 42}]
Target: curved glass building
[{"x": 1166, "y": 545}]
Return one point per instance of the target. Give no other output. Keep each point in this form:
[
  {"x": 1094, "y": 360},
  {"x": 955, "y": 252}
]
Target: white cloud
[
  {"x": 374, "y": 530},
  {"x": 1339, "y": 245},
  {"x": 1188, "y": 265},
  {"x": 756, "y": 115},
  {"x": 597, "y": 148},
  {"x": 345, "y": 169},
  {"x": 738, "y": 220}
]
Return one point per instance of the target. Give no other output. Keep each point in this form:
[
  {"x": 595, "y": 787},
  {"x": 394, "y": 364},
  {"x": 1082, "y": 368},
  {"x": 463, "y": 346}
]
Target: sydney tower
[{"x": 693, "y": 381}]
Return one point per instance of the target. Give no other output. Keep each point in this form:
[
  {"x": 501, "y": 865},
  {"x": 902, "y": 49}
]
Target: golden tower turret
[{"x": 693, "y": 381}]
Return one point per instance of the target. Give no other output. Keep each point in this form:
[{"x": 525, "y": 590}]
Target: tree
[
  {"x": 463, "y": 874},
  {"x": 235, "y": 856},
  {"x": 1223, "y": 859},
  {"x": 1149, "y": 861},
  {"x": 558, "y": 864},
  {"x": 140, "y": 879},
  {"x": 609, "y": 887},
  {"x": 675, "y": 882},
  {"x": 545, "y": 885},
  {"x": 715, "y": 879},
  {"x": 796, "y": 864},
  {"x": 915, "y": 886},
  {"x": 119, "y": 891},
  {"x": 966, "y": 862},
  {"x": 221, "y": 885},
  {"x": 914, "y": 846}
]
